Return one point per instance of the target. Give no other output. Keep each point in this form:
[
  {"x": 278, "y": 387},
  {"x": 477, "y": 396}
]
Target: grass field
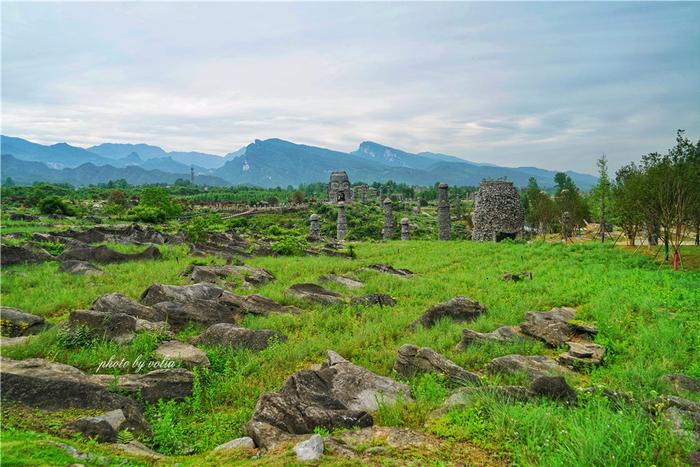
[{"x": 647, "y": 316}]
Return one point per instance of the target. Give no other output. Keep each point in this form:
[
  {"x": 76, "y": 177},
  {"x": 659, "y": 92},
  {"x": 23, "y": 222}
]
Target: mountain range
[{"x": 268, "y": 163}]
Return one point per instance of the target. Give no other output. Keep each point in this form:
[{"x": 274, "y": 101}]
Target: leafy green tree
[
  {"x": 628, "y": 200},
  {"x": 55, "y": 205},
  {"x": 155, "y": 197},
  {"x": 601, "y": 195}
]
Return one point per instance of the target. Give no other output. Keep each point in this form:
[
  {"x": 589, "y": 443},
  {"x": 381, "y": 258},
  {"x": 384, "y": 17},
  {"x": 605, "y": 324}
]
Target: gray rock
[
  {"x": 532, "y": 366},
  {"x": 249, "y": 275},
  {"x": 582, "y": 355},
  {"x": 374, "y": 299},
  {"x": 347, "y": 282},
  {"x": 680, "y": 413},
  {"x": 498, "y": 212},
  {"x": 79, "y": 268},
  {"x": 553, "y": 387},
  {"x": 341, "y": 226},
  {"x": 259, "y": 305},
  {"x": 550, "y": 327},
  {"x": 166, "y": 384},
  {"x": 314, "y": 229},
  {"x": 104, "y": 428},
  {"x": 137, "y": 449},
  {"x": 116, "y": 326},
  {"x": 338, "y": 395},
  {"x": 517, "y": 276},
  {"x": 6, "y": 342},
  {"x": 412, "y": 360},
  {"x": 245, "y": 442},
  {"x": 105, "y": 255},
  {"x": 388, "y": 230},
  {"x": 207, "y": 312},
  {"x": 405, "y": 229},
  {"x": 17, "y": 254},
  {"x": 18, "y": 323},
  {"x": 309, "y": 450},
  {"x": 385, "y": 268},
  {"x": 190, "y": 355},
  {"x": 458, "y": 309},
  {"x": 680, "y": 382},
  {"x": 180, "y": 293},
  {"x": 443, "y": 211},
  {"x": 233, "y": 336},
  {"x": 118, "y": 303},
  {"x": 502, "y": 334},
  {"x": 316, "y": 294}
]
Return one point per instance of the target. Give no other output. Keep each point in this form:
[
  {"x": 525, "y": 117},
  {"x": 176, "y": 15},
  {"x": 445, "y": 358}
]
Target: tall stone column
[
  {"x": 388, "y": 231},
  {"x": 342, "y": 225},
  {"x": 567, "y": 228},
  {"x": 314, "y": 230},
  {"x": 444, "y": 224},
  {"x": 405, "y": 233}
]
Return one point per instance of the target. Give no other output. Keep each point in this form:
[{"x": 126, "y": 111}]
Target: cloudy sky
[{"x": 549, "y": 85}]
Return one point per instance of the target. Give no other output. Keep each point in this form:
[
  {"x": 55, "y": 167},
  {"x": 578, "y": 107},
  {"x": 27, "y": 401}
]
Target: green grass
[{"x": 646, "y": 315}]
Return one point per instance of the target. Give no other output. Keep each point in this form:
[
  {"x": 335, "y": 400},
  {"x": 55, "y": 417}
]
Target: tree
[
  {"x": 55, "y": 205},
  {"x": 297, "y": 197},
  {"x": 601, "y": 195},
  {"x": 563, "y": 182},
  {"x": 9, "y": 182},
  {"x": 628, "y": 200},
  {"x": 156, "y": 198}
]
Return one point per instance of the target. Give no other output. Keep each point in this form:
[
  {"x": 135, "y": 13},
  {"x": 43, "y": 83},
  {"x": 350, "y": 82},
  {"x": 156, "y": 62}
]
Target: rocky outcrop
[
  {"x": 502, "y": 334},
  {"x": 553, "y": 387},
  {"x": 17, "y": 255},
  {"x": 18, "y": 323},
  {"x": 116, "y": 326},
  {"x": 248, "y": 275},
  {"x": 118, "y": 303},
  {"x": 555, "y": 327},
  {"x": 236, "y": 337},
  {"x": 310, "y": 449},
  {"x": 104, "y": 428},
  {"x": 207, "y": 312},
  {"x": 338, "y": 395},
  {"x": 133, "y": 233},
  {"x": 374, "y": 299},
  {"x": 532, "y": 366},
  {"x": 680, "y": 383},
  {"x": 180, "y": 293},
  {"x": 105, "y": 255},
  {"x": 316, "y": 294},
  {"x": 166, "y": 384},
  {"x": 188, "y": 354},
  {"x": 683, "y": 415},
  {"x": 458, "y": 309},
  {"x": 387, "y": 269},
  {"x": 259, "y": 305},
  {"x": 412, "y": 360},
  {"x": 79, "y": 268},
  {"x": 582, "y": 355},
  {"x": 345, "y": 281}
]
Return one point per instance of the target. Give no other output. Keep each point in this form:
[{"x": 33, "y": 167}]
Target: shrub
[
  {"x": 55, "y": 205},
  {"x": 157, "y": 197},
  {"x": 147, "y": 214},
  {"x": 290, "y": 246}
]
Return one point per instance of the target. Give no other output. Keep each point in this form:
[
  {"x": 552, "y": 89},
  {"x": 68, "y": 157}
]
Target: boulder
[
  {"x": 458, "y": 309},
  {"x": 680, "y": 382},
  {"x": 250, "y": 275},
  {"x": 315, "y": 293},
  {"x": 137, "y": 449},
  {"x": 412, "y": 360},
  {"x": 17, "y": 254},
  {"x": 104, "y": 428},
  {"x": 190, "y": 355},
  {"x": 553, "y": 387},
  {"x": 347, "y": 282},
  {"x": 555, "y": 327},
  {"x": 385, "y": 268},
  {"x": 207, "y": 312},
  {"x": 517, "y": 276},
  {"x": 532, "y": 366},
  {"x": 118, "y": 303},
  {"x": 133, "y": 233},
  {"x": 78, "y": 268},
  {"x": 338, "y": 395},
  {"x": 582, "y": 355},
  {"x": 310, "y": 449},
  {"x": 105, "y": 255},
  {"x": 53, "y": 386},
  {"x": 180, "y": 293},
  {"x": 166, "y": 384},
  {"x": 502, "y": 334},
  {"x": 259, "y": 305},
  {"x": 374, "y": 299},
  {"x": 245, "y": 442},
  {"x": 233, "y": 336},
  {"x": 18, "y": 323},
  {"x": 116, "y": 326}
]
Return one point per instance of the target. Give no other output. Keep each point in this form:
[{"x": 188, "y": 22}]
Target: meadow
[{"x": 646, "y": 314}]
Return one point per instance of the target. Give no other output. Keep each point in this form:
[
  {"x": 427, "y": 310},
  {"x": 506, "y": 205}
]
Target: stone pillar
[
  {"x": 314, "y": 230},
  {"x": 444, "y": 225},
  {"x": 404, "y": 229},
  {"x": 342, "y": 225},
  {"x": 567, "y": 227},
  {"x": 388, "y": 231},
  {"x": 379, "y": 197}
]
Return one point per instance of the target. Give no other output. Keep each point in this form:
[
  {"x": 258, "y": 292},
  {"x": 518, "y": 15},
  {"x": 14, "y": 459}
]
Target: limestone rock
[
  {"x": 309, "y": 450},
  {"x": 682, "y": 414},
  {"x": 133, "y": 233},
  {"x": 104, "y": 427},
  {"x": 517, "y": 276},
  {"x": 502, "y": 334},
  {"x": 18, "y": 323},
  {"x": 118, "y": 303},
  {"x": 412, "y": 360},
  {"x": 137, "y": 449},
  {"x": 458, "y": 309},
  {"x": 17, "y": 254},
  {"x": 374, "y": 299},
  {"x": 551, "y": 327},
  {"x": 6, "y": 342},
  {"x": 553, "y": 387},
  {"x": 315, "y": 293},
  {"x": 116, "y": 326},
  {"x": 233, "y": 336},
  {"x": 208, "y": 312},
  {"x": 680, "y": 382},
  {"x": 532, "y": 366},
  {"x": 385, "y": 268},
  {"x": 259, "y": 305},
  {"x": 249, "y": 275},
  {"x": 338, "y": 395},
  {"x": 190, "y": 355},
  {"x": 105, "y": 255},
  {"x": 79, "y": 268},
  {"x": 245, "y": 442},
  {"x": 345, "y": 281},
  {"x": 167, "y": 384},
  {"x": 582, "y": 355},
  {"x": 180, "y": 293}
]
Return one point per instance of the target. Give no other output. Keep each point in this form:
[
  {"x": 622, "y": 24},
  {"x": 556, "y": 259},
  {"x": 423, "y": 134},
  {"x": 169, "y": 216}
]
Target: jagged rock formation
[
  {"x": 458, "y": 309},
  {"x": 412, "y": 360}
]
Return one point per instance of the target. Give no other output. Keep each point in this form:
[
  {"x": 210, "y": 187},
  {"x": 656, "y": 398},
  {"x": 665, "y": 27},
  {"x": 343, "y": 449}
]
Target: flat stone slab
[
  {"x": 374, "y": 299},
  {"x": 532, "y": 366},
  {"x": 190, "y": 355},
  {"x": 105, "y": 255},
  {"x": 237, "y": 337},
  {"x": 502, "y": 334},
  {"x": 582, "y": 355},
  {"x": 245, "y": 442},
  {"x": 316, "y": 294},
  {"x": 387, "y": 269},
  {"x": 345, "y": 281}
]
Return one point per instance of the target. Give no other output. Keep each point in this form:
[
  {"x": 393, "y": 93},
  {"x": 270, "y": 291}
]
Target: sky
[{"x": 552, "y": 85}]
